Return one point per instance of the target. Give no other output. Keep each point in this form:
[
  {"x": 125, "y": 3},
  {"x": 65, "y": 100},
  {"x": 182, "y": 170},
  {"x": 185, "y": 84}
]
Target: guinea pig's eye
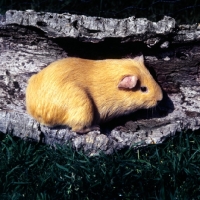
[{"x": 143, "y": 89}]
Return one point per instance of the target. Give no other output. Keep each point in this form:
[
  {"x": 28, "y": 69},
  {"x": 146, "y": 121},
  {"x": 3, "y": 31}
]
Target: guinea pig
[{"x": 82, "y": 93}]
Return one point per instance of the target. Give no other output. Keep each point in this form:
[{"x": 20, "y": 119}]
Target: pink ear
[{"x": 128, "y": 82}]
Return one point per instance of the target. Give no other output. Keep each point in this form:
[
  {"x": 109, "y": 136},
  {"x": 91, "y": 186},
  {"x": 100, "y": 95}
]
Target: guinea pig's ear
[
  {"x": 139, "y": 59},
  {"x": 128, "y": 82}
]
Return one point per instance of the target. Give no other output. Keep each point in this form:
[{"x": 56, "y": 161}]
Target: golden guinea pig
[{"x": 82, "y": 93}]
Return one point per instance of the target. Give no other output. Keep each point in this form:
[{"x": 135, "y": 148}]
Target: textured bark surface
[{"x": 29, "y": 41}]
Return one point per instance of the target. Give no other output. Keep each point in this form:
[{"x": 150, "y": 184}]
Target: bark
[{"x": 29, "y": 41}]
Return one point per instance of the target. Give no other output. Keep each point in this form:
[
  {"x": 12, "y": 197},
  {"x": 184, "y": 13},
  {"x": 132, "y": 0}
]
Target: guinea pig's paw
[{"x": 87, "y": 129}]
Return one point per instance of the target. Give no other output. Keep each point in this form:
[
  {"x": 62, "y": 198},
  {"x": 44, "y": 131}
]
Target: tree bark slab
[{"x": 29, "y": 41}]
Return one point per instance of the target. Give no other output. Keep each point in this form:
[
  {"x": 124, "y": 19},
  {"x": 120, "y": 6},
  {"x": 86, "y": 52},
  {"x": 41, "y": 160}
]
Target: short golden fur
[{"x": 81, "y": 93}]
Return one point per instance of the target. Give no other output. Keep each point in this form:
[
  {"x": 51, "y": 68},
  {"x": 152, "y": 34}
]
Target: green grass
[
  {"x": 166, "y": 171},
  {"x": 183, "y": 11}
]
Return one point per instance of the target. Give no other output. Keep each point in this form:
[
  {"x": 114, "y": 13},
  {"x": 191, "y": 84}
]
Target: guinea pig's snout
[
  {"x": 159, "y": 96},
  {"x": 159, "y": 99}
]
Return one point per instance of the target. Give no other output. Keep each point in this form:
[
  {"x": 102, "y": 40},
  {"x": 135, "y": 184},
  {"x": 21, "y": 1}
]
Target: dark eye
[{"x": 143, "y": 89}]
